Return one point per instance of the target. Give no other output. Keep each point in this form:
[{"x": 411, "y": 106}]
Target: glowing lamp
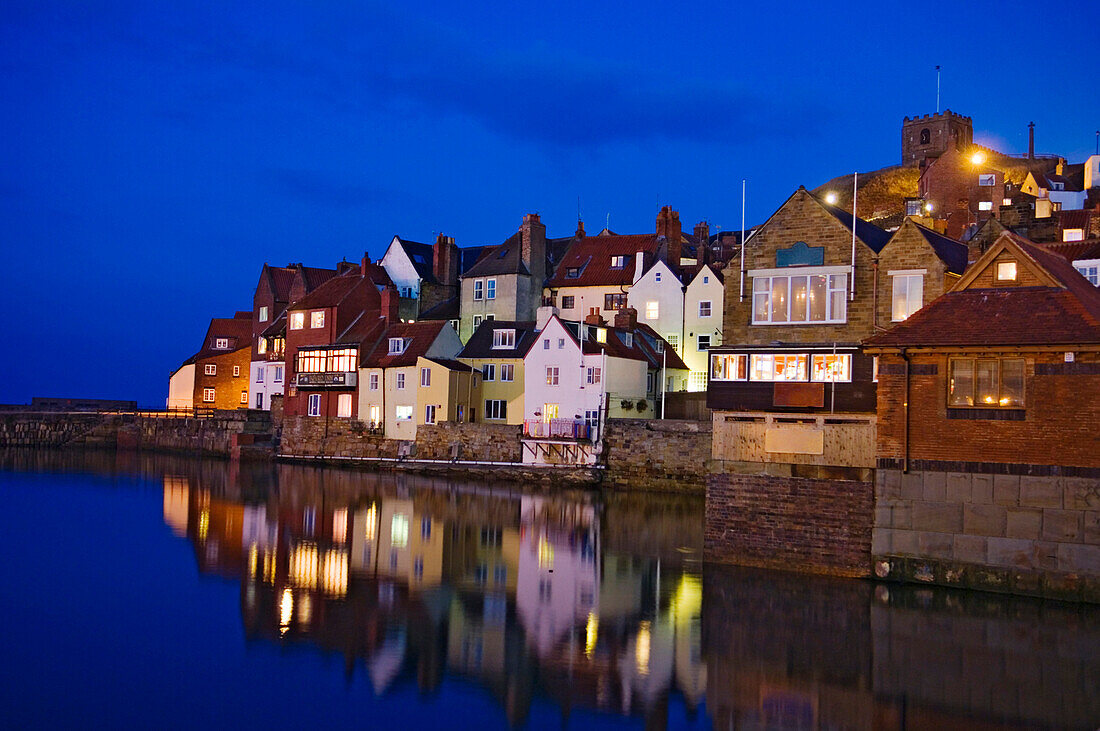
[
  {"x": 830, "y": 198},
  {"x": 977, "y": 158}
]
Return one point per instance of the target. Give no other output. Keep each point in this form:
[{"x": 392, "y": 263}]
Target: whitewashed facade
[{"x": 703, "y": 301}]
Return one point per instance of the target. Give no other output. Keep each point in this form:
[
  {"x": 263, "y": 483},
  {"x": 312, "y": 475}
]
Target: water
[{"x": 180, "y": 593}]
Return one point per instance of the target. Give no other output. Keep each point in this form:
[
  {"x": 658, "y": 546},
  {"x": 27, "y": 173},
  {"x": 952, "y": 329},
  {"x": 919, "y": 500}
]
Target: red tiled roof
[
  {"x": 331, "y": 293},
  {"x": 592, "y": 256},
  {"x": 420, "y": 336},
  {"x": 1076, "y": 218},
  {"x": 282, "y": 280},
  {"x": 641, "y": 348},
  {"x": 237, "y": 330},
  {"x": 1076, "y": 250}
]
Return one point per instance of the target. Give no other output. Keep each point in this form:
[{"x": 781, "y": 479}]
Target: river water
[{"x": 141, "y": 591}]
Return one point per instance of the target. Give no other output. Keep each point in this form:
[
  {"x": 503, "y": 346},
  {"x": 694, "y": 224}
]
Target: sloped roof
[
  {"x": 480, "y": 344},
  {"x": 237, "y": 330},
  {"x": 643, "y": 344},
  {"x": 1039, "y": 315},
  {"x": 451, "y": 364},
  {"x": 281, "y": 279},
  {"x": 446, "y": 310},
  {"x": 591, "y": 256},
  {"x": 1076, "y": 250},
  {"x": 469, "y": 255},
  {"x": 870, "y": 234},
  {"x": 419, "y": 337},
  {"x": 506, "y": 258},
  {"x": 1076, "y": 218},
  {"x": 954, "y": 254},
  {"x": 314, "y": 277},
  {"x": 421, "y": 256},
  {"x": 331, "y": 293}
]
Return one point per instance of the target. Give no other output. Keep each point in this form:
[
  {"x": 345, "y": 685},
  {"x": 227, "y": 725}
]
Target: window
[
  {"x": 341, "y": 360},
  {"x": 1073, "y": 234},
  {"x": 454, "y": 325},
  {"x": 236, "y": 371},
  {"x": 796, "y": 299},
  {"x": 429, "y": 414},
  {"x": 343, "y": 406},
  {"x": 706, "y": 279},
  {"x": 489, "y": 372},
  {"x": 593, "y": 375},
  {"x": 507, "y": 371},
  {"x": 986, "y": 382},
  {"x": 769, "y": 367},
  {"x": 426, "y": 528},
  {"x": 657, "y": 276},
  {"x": 618, "y": 262},
  {"x": 399, "y": 530},
  {"x": 652, "y": 310},
  {"x": 263, "y": 313},
  {"x": 261, "y": 346},
  {"x": 673, "y": 340},
  {"x": 490, "y": 318},
  {"x": 400, "y": 381},
  {"x": 985, "y": 205},
  {"x": 704, "y": 342},
  {"x": 260, "y": 374},
  {"x": 297, "y": 320},
  {"x": 627, "y": 338},
  {"x": 698, "y": 380},
  {"x": 572, "y": 273},
  {"x": 733, "y": 367},
  {"x": 649, "y": 382},
  {"x": 561, "y": 343},
  {"x": 1006, "y": 271},
  {"x": 259, "y": 400},
  {"x": 425, "y": 377},
  {"x": 208, "y": 395},
  {"x": 504, "y": 338},
  {"x": 490, "y": 289},
  {"x": 221, "y": 343},
  {"x": 704, "y": 308},
  {"x": 210, "y": 369},
  {"x": 987, "y": 180},
  {"x": 908, "y": 295},
  {"x": 278, "y": 374},
  {"x": 479, "y": 287},
  {"x": 317, "y": 319},
  {"x": 831, "y": 368},
  {"x": 567, "y": 302},
  {"x": 404, "y": 413},
  {"x": 374, "y": 381},
  {"x": 614, "y": 301},
  {"x": 601, "y": 335},
  {"x": 1090, "y": 272},
  {"x": 314, "y": 405},
  {"x": 496, "y": 409},
  {"x": 549, "y": 411},
  {"x": 375, "y": 414},
  {"x": 477, "y": 321},
  {"x": 551, "y": 375},
  {"x": 546, "y": 344},
  {"x": 925, "y": 136}
]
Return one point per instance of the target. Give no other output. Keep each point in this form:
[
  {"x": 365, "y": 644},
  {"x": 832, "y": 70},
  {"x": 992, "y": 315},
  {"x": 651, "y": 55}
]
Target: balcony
[
  {"x": 329, "y": 379},
  {"x": 558, "y": 429},
  {"x": 827, "y": 440}
]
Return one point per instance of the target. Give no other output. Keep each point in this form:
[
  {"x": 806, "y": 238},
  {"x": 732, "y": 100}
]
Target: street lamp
[
  {"x": 830, "y": 198},
  {"x": 977, "y": 158}
]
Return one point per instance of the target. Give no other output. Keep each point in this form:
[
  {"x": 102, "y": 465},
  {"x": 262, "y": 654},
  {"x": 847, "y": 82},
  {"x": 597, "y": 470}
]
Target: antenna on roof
[
  {"x": 937, "y": 89},
  {"x": 607, "y": 226},
  {"x": 578, "y": 208}
]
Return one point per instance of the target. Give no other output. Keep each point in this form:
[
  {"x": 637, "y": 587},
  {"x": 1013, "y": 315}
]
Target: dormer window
[
  {"x": 1057, "y": 186},
  {"x": 1006, "y": 271},
  {"x": 1073, "y": 234},
  {"x": 504, "y": 338},
  {"x": 618, "y": 262},
  {"x": 397, "y": 346},
  {"x": 573, "y": 273},
  {"x": 221, "y": 343},
  {"x": 627, "y": 338},
  {"x": 601, "y": 335}
]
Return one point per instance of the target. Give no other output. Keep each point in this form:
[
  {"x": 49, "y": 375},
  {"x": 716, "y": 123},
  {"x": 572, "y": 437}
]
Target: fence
[{"x": 558, "y": 429}]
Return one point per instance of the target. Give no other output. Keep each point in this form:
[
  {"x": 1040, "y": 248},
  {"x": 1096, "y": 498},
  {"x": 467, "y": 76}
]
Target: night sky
[{"x": 154, "y": 155}]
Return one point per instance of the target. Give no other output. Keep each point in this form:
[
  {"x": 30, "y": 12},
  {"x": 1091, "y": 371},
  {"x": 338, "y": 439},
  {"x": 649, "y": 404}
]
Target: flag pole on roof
[{"x": 852, "y": 275}]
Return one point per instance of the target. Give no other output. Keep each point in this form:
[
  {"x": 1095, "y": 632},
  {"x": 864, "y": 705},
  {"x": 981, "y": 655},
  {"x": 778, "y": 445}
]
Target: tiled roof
[
  {"x": 419, "y": 336},
  {"x": 469, "y": 255},
  {"x": 868, "y": 233},
  {"x": 331, "y": 293},
  {"x": 954, "y": 254},
  {"x": 480, "y": 344},
  {"x": 591, "y": 257},
  {"x": 445, "y": 310},
  {"x": 1076, "y": 250},
  {"x": 504, "y": 258},
  {"x": 314, "y": 277},
  {"x": 643, "y": 345},
  {"x": 281, "y": 280},
  {"x": 1077, "y": 218},
  {"x": 277, "y": 327},
  {"x": 237, "y": 330},
  {"x": 421, "y": 256}
]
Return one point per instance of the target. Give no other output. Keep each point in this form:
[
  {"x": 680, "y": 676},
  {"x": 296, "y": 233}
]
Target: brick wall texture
[
  {"x": 657, "y": 454},
  {"x": 791, "y": 523}
]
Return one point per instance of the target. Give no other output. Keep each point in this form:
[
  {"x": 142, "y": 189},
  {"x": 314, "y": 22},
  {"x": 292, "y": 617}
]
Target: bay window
[
  {"x": 799, "y": 298},
  {"x": 729, "y": 367}
]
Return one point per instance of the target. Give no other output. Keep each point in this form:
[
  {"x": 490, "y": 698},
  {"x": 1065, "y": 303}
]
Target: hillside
[{"x": 882, "y": 193}]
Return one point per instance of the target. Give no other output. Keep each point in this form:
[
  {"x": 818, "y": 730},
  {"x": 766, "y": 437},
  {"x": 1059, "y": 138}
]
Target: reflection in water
[{"x": 581, "y": 606}]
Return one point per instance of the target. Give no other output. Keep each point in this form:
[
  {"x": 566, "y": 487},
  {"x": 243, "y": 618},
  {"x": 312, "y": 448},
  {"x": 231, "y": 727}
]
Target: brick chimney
[
  {"x": 593, "y": 317},
  {"x": 445, "y": 260},
  {"x": 1030, "y": 140},
  {"x": 533, "y": 246},
  {"x": 626, "y": 318},
  {"x": 580, "y": 229},
  {"x": 668, "y": 225},
  {"x": 364, "y": 264},
  {"x": 390, "y": 303}
]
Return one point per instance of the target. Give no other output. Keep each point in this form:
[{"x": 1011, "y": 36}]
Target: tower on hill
[{"x": 926, "y": 138}]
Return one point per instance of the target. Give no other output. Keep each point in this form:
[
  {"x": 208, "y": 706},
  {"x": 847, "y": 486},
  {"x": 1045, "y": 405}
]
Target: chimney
[
  {"x": 668, "y": 225},
  {"x": 593, "y": 317},
  {"x": 626, "y": 319},
  {"x": 580, "y": 229},
  {"x": 364, "y": 264},
  {"x": 1030, "y": 140},
  {"x": 702, "y": 232},
  {"x": 533, "y": 246},
  {"x": 445, "y": 260},
  {"x": 390, "y": 303}
]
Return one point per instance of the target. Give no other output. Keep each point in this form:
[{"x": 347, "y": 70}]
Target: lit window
[
  {"x": 769, "y": 367},
  {"x": 261, "y": 346},
  {"x": 703, "y": 342},
  {"x": 479, "y": 287},
  {"x": 488, "y": 372},
  {"x": 652, "y": 310},
  {"x": 673, "y": 340},
  {"x": 614, "y": 301},
  {"x": 343, "y": 405},
  {"x": 618, "y": 262},
  {"x": 732, "y": 367},
  {"x": 908, "y": 295},
  {"x": 491, "y": 289},
  {"x": 986, "y": 382},
  {"x": 831, "y": 368},
  {"x": 601, "y": 335},
  {"x": 374, "y": 381},
  {"x": 429, "y": 414},
  {"x": 236, "y": 371},
  {"x": 314, "y": 405},
  {"x": 317, "y": 319},
  {"x": 263, "y": 313},
  {"x": 985, "y": 205},
  {"x": 1006, "y": 271},
  {"x": 425, "y": 376},
  {"x": 704, "y": 308},
  {"x": 551, "y": 375},
  {"x": 397, "y": 345},
  {"x": 504, "y": 338},
  {"x": 797, "y": 299},
  {"x": 208, "y": 395},
  {"x": 210, "y": 369},
  {"x": 507, "y": 372},
  {"x": 404, "y": 413},
  {"x": 1073, "y": 234},
  {"x": 297, "y": 320},
  {"x": 399, "y": 530},
  {"x": 221, "y": 343}
]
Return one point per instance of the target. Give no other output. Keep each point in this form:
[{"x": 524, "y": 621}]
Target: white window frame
[
  {"x": 699, "y": 342},
  {"x": 496, "y": 409},
  {"x": 491, "y": 288},
  {"x": 403, "y": 412},
  {"x": 396, "y": 346},
  {"x": 653, "y": 310},
  {"x": 343, "y": 405},
  {"x": 593, "y": 375},
  {"x": 208, "y": 395},
  {"x": 477, "y": 321},
  {"x": 1090, "y": 270},
  {"x": 313, "y": 405},
  {"x": 507, "y": 372},
  {"x": 985, "y": 205},
  {"x": 236, "y": 371},
  {"x": 221, "y": 343},
  {"x": 1073, "y": 234},
  {"x": 425, "y": 377},
  {"x": 297, "y": 320},
  {"x": 210, "y": 369},
  {"x": 618, "y": 261},
  {"x": 504, "y": 339},
  {"x": 317, "y": 319},
  {"x": 552, "y": 376},
  {"x": 278, "y": 374},
  {"x": 488, "y": 372},
  {"x": 914, "y": 295},
  {"x": 400, "y": 381},
  {"x": 263, "y": 313},
  {"x": 479, "y": 289},
  {"x": 429, "y": 413},
  {"x": 705, "y": 308},
  {"x": 260, "y": 374},
  {"x": 765, "y": 277},
  {"x": 374, "y": 381}
]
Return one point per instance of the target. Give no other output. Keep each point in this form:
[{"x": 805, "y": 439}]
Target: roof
[
  {"x": 1076, "y": 218},
  {"x": 1066, "y": 313},
  {"x": 506, "y": 258},
  {"x": 643, "y": 345},
  {"x": 421, "y": 256},
  {"x": 954, "y": 254},
  {"x": 468, "y": 256},
  {"x": 1076, "y": 250},
  {"x": 419, "y": 337},
  {"x": 868, "y": 233},
  {"x": 236, "y": 329},
  {"x": 277, "y": 327},
  {"x": 480, "y": 344},
  {"x": 445, "y": 310},
  {"x": 591, "y": 257},
  {"x": 451, "y": 364},
  {"x": 329, "y": 294}
]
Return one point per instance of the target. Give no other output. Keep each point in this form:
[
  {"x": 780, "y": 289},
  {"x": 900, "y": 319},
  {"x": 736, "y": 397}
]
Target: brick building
[
  {"x": 987, "y": 447},
  {"x": 928, "y": 137},
  {"x": 216, "y": 377}
]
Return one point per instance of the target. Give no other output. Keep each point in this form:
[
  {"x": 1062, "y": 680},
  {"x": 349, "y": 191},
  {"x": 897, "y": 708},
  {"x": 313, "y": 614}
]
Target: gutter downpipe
[
  {"x": 855, "y": 193},
  {"x": 905, "y": 426}
]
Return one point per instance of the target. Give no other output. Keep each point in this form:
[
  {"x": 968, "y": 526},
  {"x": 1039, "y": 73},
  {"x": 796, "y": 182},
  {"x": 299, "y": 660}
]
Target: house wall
[
  {"x": 512, "y": 301},
  {"x": 698, "y": 291},
  {"x": 296, "y": 401},
  {"x": 268, "y": 386},
  {"x": 511, "y": 392},
  {"x": 571, "y": 394},
  {"x": 447, "y": 390},
  {"x": 227, "y": 387},
  {"x": 585, "y": 298},
  {"x": 909, "y": 250},
  {"x": 388, "y": 397},
  {"x": 400, "y": 268},
  {"x": 626, "y": 381},
  {"x": 669, "y": 296},
  {"x": 181, "y": 388}
]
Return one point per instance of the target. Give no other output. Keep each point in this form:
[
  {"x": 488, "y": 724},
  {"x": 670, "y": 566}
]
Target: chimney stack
[
  {"x": 594, "y": 317},
  {"x": 390, "y": 304},
  {"x": 364, "y": 264},
  {"x": 702, "y": 232},
  {"x": 533, "y": 246},
  {"x": 626, "y": 319},
  {"x": 445, "y": 260},
  {"x": 1030, "y": 140},
  {"x": 580, "y": 229},
  {"x": 668, "y": 225}
]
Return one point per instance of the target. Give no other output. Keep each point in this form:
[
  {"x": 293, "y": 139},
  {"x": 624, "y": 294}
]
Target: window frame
[
  {"x": 313, "y": 404},
  {"x": 429, "y": 413},
  {"x": 343, "y": 399},
  {"x": 614, "y": 301},
  {"x": 767, "y": 277},
  {"x": 491, "y": 288},
  {"x": 553, "y": 376},
  {"x": 709, "y": 308},
  {"x": 297, "y": 320},
  {"x": 568, "y": 301},
  {"x": 653, "y": 310},
  {"x": 425, "y": 377},
  {"x": 908, "y": 276},
  {"x": 236, "y": 371},
  {"x": 262, "y": 314},
  {"x": 504, "y": 339},
  {"x": 479, "y": 289},
  {"x": 399, "y": 379},
  {"x": 210, "y": 369},
  {"x": 974, "y": 361},
  {"x": 699, "y": 342},
  {"x": 316, "y": 319},
  {"x": 488, "y": 372},
  {"x": 208, "y": 395},
  {"x": 509, "y": 370}
]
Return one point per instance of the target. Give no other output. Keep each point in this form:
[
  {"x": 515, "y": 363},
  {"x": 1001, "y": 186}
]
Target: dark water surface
[{"x": 174, "y": 593}]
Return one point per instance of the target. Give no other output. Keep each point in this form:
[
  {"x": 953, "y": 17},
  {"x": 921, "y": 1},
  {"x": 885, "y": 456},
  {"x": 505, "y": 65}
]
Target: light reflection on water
[{"x": 578, "y": 608}]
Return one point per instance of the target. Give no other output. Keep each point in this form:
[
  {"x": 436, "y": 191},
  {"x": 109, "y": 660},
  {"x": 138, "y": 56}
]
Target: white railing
[{"x": 558, "y": 429}]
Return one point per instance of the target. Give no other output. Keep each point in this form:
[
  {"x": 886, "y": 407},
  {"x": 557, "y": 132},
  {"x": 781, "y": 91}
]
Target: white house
[
  {"x": 658, "y": 296},
  {"x": 703, "y": 302}
]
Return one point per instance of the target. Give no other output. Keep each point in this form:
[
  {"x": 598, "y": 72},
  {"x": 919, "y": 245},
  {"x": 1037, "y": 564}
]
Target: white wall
[
  {"x": 1070, "y": 200},
  {"x": 572, "y": 394},
  {"x": 669, "y": 296},
  {"x": 268, "y": 386},
  {"x": 1092, "y": 172},
  {"x": 400, "y": 268},
  {"x": 181, "y": 388},
  {"x": 698, "y": 291}
]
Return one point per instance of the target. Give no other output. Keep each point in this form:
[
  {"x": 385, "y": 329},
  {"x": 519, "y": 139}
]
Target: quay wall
[{"x": 669, "y": 455}]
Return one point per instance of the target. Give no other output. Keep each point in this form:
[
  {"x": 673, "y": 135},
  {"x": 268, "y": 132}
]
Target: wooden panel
[
  {"x": 799, "y": 395},
  {"x": 794, "y": 440}
]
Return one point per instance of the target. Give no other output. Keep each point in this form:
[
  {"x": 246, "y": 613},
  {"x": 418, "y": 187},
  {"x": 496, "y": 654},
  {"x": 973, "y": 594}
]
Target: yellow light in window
[
  {"x": 204, "y": 524},
  {"x": 303, "y": 566},
  {"x": 335, "y": 573},
  {"x": 305, "y": 609},
  {"x": 253, "y": 560},
  {"x": 372, "y": 514}
]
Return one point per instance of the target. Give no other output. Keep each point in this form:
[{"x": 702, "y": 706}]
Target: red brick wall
[
  {"x": 1061, "y": 415},
  {"x": 227, "y": 388},
  {"x": 791, "y": 523}
]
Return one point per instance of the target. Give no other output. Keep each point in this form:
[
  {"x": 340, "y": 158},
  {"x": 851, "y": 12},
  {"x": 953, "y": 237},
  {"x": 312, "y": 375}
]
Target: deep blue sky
[{"x": 154, "y": 155}]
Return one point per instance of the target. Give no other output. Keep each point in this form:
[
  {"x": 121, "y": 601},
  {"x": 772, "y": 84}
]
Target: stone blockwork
[
  {"x": 657, "y": 454},
  {"x": 57, "y": 430},
  {"x": 1035, "y": 535},
  {"x": 793, "y": 523}
]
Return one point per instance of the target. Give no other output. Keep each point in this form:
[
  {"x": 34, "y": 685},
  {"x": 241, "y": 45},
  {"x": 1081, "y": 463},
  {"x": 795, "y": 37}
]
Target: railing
[{"x": 558, "y": 429}]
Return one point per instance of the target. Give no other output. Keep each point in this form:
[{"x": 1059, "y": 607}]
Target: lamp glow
[
  {"x": 977, "y": 158},
  {"x": 830, "y": 198}
]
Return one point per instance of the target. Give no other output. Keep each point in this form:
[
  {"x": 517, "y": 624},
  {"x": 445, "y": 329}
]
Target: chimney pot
[{"x": 626, "y": 318}]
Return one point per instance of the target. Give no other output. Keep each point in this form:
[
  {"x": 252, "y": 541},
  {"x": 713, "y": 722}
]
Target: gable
[{"x": 983, "y": 274}]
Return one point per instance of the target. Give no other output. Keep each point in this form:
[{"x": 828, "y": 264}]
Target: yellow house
[
  {"x": 496, "y": 351},
  {"x": 447, "y": 390}
]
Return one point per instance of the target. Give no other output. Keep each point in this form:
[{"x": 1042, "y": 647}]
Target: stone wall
[
  {"x": 1035, "y": 535},
  {"x": 31, "y": 429},
  {"x": 477, "y": 442},
  {"x": 792, "y": 523},
  {"x": 657, "y": 454}
]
